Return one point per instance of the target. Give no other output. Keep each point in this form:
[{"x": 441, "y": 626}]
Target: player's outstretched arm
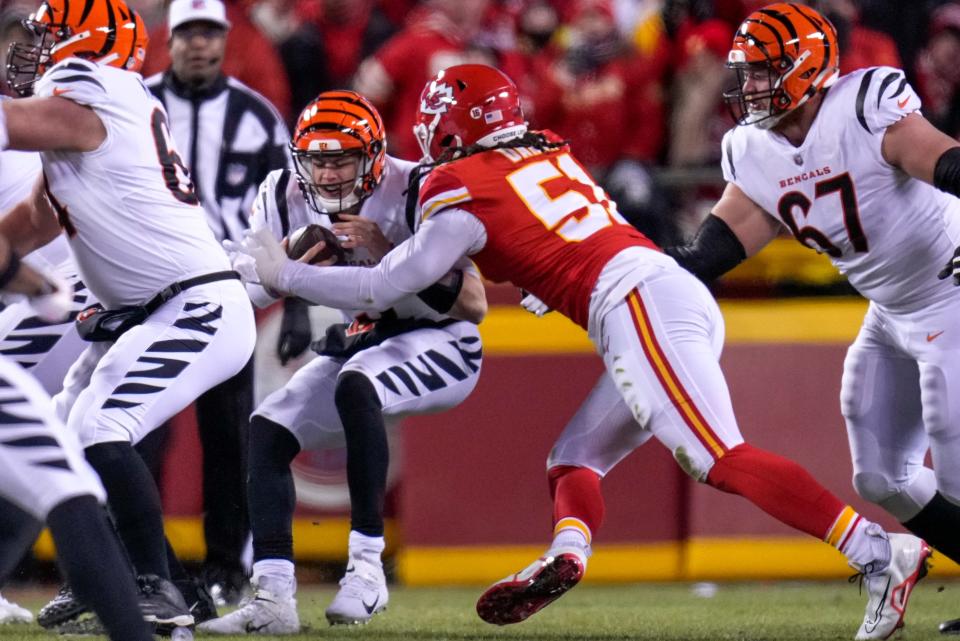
[
  {"x": 412, "y": 266},
  {"x": 50, "y": 123},
  {"x": 923, "y": 151},
  {"x": 736, "y": 229}
]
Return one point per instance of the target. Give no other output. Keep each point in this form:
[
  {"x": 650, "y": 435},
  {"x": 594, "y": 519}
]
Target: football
[{"x": 305, "y": 237}]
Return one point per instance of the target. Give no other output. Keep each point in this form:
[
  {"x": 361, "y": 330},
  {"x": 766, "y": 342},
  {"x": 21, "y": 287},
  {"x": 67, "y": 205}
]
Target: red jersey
[{"x": 550, "y": 228}]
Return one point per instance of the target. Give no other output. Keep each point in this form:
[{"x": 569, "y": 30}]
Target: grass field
[{"x": 742, "y": 611}]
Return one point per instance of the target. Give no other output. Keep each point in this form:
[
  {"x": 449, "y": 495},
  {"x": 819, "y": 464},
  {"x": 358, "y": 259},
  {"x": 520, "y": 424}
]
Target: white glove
[
  {"x": 242, "y": 263},
  {"x": 267, "y": 254},
  {"x": 55, "y": 306},
  {"x": 534, "y": 305}
]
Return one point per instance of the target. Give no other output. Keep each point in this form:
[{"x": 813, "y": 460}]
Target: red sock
[
  {"x": 576, "y": 496},
  {"x": 779, "y": 487}
]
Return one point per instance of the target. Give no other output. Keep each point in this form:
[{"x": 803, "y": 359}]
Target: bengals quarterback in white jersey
[
  {"x": 177, "y": 319},
  {"x": 419, "y": 356},
  {"x": 852, "y": 169}
]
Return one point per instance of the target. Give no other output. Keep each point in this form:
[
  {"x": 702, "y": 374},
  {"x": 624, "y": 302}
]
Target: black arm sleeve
[
  {"x": 443, "y": 294},
  {"x": 946, "y": 174},
  {"x": 714, "y": 251}
]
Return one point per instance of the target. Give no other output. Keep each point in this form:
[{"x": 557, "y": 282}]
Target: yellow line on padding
[
  {"x": 314, "y": 539},
  {"x": 483, "y": 565},
  {"x": 510, "y": 331},
  {"x": 700, "y": 559}
]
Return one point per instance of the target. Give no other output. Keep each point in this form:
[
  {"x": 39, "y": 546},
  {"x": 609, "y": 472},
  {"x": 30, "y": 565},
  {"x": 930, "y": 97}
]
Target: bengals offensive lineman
[
  {"x": 112, "y": 179},
  {"x": 521, "y": 206},
  {"x": 850, "y": 166}
]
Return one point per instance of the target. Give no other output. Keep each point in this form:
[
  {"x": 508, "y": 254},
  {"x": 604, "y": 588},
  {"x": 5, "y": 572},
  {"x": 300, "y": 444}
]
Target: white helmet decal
[{"x": 438, "y": 99}]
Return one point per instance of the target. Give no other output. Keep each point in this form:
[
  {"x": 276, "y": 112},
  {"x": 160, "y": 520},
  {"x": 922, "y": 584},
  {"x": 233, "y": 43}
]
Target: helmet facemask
[
  {"x": 110, "y": 34},
  {"x": 27, "y": 62},
  {"x": 767, "y": 106},
  {"x": 348, "y": 193}
]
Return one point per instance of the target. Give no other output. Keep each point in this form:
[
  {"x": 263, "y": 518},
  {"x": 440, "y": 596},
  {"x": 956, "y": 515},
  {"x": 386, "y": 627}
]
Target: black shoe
[
  {"x": 64, "y": 607},
  {"x": 83, "y": 626},
  {"x": 950, "y": 627},
  {"x": 162, "y": 604},
  {"x": 198, "y": 599},
  {"x": 227, "y": 585}
]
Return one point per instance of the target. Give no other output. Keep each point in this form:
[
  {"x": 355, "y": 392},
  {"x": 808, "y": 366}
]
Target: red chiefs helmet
[{"x": 468, "y": 105}]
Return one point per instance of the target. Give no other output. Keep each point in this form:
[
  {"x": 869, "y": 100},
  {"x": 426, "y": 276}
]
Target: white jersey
[
  {"x": 281, "y": 206},
  {"x": 886, "y": 231},
  {"x": 128, "y": 207}
]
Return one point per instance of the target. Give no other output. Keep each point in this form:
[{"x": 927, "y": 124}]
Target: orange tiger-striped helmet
[
  {"x": 339, "y": 124},
  {"x": 107, "y": 32},
  {"x": 783, "y": 54}
]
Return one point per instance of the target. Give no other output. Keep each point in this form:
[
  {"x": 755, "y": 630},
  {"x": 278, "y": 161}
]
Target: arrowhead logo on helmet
[
  {"x": 468, "y": 105},
  {"x": 438, "y": 99}
]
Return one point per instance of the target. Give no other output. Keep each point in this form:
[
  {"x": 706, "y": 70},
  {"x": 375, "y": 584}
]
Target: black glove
[
  {"x": 952, "y": 268},
  {"x": 295, "y": 330}
]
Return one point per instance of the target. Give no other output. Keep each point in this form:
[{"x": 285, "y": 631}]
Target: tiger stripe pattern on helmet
[
  {"x": 107, "y": 32},
  {"x": 337, "y": 123},
  {"x": 796, "y": 46}
]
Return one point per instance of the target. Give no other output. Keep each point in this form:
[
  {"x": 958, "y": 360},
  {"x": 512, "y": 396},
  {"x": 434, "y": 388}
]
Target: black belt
[
  {"x": 98, "y": 324},
  {"x": 169, "y": 292}
]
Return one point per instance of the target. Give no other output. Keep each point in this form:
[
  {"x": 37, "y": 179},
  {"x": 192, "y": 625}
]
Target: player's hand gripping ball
[{"x": 302, "y": 239}]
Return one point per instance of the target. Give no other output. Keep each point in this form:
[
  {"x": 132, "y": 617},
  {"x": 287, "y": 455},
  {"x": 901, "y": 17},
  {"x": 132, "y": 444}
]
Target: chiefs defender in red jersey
[
  {"x": 565, "y": 227},
  {"x": 519, "y": 204}
]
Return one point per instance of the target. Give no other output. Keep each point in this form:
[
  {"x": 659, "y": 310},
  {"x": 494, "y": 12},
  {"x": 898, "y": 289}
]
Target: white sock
[
  {"x": 867, "y": 547},
  {"x": 276, "y": 576},
  {"x": 572, "y": 533},
  {"x": 366, "y": 548}
]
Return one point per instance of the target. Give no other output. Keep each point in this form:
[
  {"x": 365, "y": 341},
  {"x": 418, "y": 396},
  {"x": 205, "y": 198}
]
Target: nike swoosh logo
[
  {"x": 903, "y": 103},
  {"x": 250, "y": 628},
  {"x": 933, "y": 336},
  {"x": 59, "y": 91},
  {"x": 878, "y": 613},
  {"x": 369, "y": 608}
]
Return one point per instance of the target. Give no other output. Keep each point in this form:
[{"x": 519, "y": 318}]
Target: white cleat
[
  {"x": 263, "y": 613},
  {"x": 13, "y": 613},
  {"x": 363, "y": 594},
  {"x": 889, "y": 589}
]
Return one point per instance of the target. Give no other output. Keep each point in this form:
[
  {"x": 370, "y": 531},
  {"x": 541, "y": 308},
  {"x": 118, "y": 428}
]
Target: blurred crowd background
[{"x": 635, "y": 85}]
